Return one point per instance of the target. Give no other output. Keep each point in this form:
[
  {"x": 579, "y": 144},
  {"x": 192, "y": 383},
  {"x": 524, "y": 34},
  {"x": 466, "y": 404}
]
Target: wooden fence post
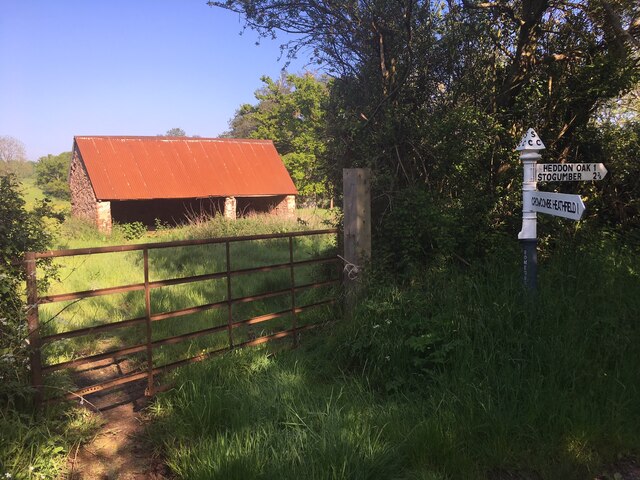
[
  {"x": 33, "y": 323},
  {"x": 357, "y": 229}
]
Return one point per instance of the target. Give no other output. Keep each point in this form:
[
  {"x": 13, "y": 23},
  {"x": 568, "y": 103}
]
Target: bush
[
  {"x": 131, "y": 231},
  {"x": 32, "y": 444},
  {"x": 20, "y": 231},
  {"x": 415, "y": 231},
  {"x": 51, "y": 175}
]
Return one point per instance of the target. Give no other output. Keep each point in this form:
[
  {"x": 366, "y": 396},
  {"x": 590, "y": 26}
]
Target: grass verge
[
  {"x": 459, "y": 375},
  {"x": 36, "y": 445}
]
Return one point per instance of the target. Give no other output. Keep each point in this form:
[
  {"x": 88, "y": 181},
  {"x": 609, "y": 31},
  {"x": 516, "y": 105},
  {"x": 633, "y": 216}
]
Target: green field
[
  {"x": 32, "y": 194},
  {"x": 90, "y": 272}
]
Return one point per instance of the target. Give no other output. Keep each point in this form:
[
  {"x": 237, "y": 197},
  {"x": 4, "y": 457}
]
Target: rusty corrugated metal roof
[{"x": 142, "y": 168}]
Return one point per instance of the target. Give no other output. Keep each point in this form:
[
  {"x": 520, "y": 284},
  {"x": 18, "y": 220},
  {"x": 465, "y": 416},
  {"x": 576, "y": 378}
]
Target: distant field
[{"x": 32, "y": 194}]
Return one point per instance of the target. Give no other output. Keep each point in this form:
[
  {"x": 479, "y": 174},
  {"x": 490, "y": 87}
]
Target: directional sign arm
[
  {"x": 556, "y": 204},
  {"x": 570, "y": 172}
]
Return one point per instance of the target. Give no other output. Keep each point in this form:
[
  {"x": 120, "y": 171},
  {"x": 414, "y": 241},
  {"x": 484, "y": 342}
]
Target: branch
[
  {"x": 622, "y": 35},
  {"x": 500, "y": 7}
]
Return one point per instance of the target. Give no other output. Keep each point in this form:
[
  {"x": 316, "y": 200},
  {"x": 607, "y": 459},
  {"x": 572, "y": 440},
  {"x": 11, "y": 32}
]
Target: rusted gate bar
[
  {"x": 132, "y": 377},
  {"x": 177, "y": 243},
  {"x": 293, "y": 293},
  {"x": 147, "y": 309},
  {"x": 33, "y": 324},
  {"x": 61, "y": 297},
  {"x": 229, "y": 303},
  {"x": 111, "y": 354}
]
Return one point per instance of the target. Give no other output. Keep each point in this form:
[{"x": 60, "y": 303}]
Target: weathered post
[
  {"x": 357, "y": 229},
  {"x": 33, "y": 323},
  {"x": 529, "y": 147}
]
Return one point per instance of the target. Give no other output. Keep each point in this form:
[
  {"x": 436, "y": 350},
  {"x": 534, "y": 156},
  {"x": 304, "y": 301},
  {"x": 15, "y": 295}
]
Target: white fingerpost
[{"x": 529, "y": 147}]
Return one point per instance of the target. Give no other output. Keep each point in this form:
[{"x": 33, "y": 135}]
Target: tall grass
[
  {"x": 461, "y": 375},
  {"x": 117, "y": 269},
  {"x": 34, "y": 445},
  {"x": 263, "y": 417}
]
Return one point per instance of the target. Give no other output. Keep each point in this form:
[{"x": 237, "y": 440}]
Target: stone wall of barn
[{"x": 84, "y": 203}]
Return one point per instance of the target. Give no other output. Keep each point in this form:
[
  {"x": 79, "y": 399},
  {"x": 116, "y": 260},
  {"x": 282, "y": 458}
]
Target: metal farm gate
[{"x": 143, "y": 345}]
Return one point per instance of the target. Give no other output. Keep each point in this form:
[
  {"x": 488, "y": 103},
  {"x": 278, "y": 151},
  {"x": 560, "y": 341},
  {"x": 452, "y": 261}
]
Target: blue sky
[{"x": 124, "y": 67}]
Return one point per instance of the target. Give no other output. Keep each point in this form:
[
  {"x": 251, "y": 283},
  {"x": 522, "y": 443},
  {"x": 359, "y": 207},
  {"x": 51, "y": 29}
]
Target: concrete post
[
  {"x": 291, "y": 205},
  {"x": 230, "y": 205},
  {"x": 529, "y": 147},
  {"x": 103, "y": 216}
]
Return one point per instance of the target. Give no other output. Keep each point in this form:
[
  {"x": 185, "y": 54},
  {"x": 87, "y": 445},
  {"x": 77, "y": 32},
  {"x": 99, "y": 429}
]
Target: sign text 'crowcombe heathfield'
[{"x": 556, "y": 204}]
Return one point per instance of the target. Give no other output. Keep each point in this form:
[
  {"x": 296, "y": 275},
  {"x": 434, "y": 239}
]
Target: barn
[{"x": 127, "y": 179}]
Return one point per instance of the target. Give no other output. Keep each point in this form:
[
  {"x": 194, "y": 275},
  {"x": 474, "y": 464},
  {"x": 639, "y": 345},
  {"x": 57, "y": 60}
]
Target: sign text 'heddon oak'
[
  {"x": 569, "y": 172},
  {"x": 557, "y": 204}
]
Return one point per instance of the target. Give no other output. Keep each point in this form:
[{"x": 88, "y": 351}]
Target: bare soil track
[{"x": 119, "y": 449}]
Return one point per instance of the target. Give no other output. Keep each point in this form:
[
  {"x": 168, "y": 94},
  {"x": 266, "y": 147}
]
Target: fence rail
[{"x": 37, "y": 341}]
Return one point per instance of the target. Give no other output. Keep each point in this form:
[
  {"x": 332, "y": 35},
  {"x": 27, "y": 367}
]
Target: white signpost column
[
  {"x": 529, "y": 147},
  {"x": 556, "y": 204}
]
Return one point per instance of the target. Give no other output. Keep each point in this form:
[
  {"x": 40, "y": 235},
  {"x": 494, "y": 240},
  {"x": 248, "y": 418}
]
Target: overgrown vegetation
[
  {"x": 434, "y": 96},
  {"x": 460, "y": 376},
  {"x": 32, "y": 444},
  {"x": 447, "y": 369}
]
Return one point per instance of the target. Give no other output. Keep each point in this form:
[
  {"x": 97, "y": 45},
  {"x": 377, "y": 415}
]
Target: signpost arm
[{"x": 528, "y": 236}]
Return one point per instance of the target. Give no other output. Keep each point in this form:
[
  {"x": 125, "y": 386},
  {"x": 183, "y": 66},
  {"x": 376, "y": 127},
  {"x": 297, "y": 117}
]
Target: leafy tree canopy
[
  {"x": 436, "y": 94},
  {"x": 291, "y": 112},
  {"x": 52, "y": 172},
  {"x": 175, "y": 132}
]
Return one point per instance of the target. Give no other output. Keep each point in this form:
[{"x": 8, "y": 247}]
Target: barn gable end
[{"x": 84, "y": 203}]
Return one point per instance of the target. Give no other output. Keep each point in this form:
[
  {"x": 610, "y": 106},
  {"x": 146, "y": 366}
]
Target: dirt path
[{"x": 119, "y": 449}]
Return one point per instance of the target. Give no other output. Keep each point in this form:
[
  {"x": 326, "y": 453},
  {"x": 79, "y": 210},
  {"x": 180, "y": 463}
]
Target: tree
[
  {"x": 291, "y": 112},
  {"x": 13, "y": 158},
  {"x": 435, "y": 95},
  {"x": 175, "y": 132},
  {"x": 11, "y": 149},
  {"x": 52, "y": 173},
  {"x": 243, "y": 123}
]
